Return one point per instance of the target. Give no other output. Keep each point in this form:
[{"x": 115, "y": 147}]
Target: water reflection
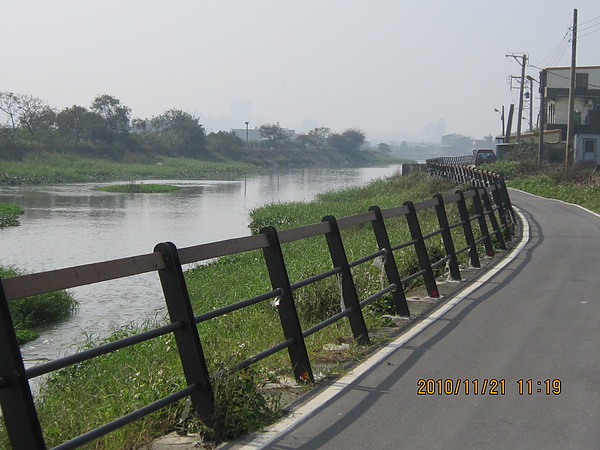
[{"x": 77, "y": 224}]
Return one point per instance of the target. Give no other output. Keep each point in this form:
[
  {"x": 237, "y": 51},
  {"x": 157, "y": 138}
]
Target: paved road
[{"x": 536, "y": 319}]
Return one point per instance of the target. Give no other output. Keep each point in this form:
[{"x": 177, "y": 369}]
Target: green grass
[
  {"x": 89, "y": 394},
  {"x": 579, "y": 185},
  {"x": 9, "y": 208},
  {"x": 9, "y": 215},
  {"x": 53, "y": 168},
  {"x": 584, "y": 194},
  {"x": 31, "y": 313},
  {"x": 140, "y": 188}
]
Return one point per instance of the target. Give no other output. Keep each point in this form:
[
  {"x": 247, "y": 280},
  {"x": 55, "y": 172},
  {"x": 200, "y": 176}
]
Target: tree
[
  {"x": 139, "y": 124},
  {"x": 83, "y": 125},
  {"x": 180, "y": 133},
  {"x": 347, "y": 142},
  {"x": 316, "y": 137},
  {"x": 110, "y": 109},
  {"x": 384, "y": 148},
  {"x": 35, "y": 114},
  {"x": 223, "y": 144},
  {"x": 9, "y": 104},
  {"x": 273, "y": 133}
]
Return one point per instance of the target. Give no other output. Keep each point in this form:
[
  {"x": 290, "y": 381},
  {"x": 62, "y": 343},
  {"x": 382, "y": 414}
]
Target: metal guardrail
[
  {"x": 455, "y": 168},
  {"x": 491, "y": 207},
  {"x": 460, "y": 169}
]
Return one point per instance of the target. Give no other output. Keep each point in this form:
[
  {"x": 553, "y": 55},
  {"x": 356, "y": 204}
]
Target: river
[{"x": 73, "y": 224}]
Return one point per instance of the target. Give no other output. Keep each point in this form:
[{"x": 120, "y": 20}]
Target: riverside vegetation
[
  {"x": 9, "y": 215},
  {"x": 31, "y": 313},
  {"x": 54, "y": 168},
  {"x": 106, "y": 130},
  {"x": 579, "y": 184},
  {"x": 143, "y": 188}
]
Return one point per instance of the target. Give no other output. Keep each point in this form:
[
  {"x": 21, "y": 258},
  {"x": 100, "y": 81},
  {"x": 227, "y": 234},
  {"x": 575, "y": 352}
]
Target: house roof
[{"x": 569, "y": 68}]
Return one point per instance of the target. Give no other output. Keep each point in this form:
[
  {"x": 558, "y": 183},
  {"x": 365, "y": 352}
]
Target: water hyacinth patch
[
  {"x": 39, "y": 310},
  {"x": 140, "y": 188},
  {"x": 9, "y": 215}
]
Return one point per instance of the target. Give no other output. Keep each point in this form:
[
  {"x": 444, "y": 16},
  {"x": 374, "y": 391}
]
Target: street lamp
[
  {"x": 246, "y": 132},
  {"x": 501, "y": 117}
]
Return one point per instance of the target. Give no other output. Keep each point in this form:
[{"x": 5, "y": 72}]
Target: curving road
[{"x": 535, "y": 319}]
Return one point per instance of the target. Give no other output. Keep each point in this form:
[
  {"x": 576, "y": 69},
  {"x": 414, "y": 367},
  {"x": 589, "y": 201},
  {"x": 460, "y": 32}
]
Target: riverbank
[{"x": 55, "y": 168}]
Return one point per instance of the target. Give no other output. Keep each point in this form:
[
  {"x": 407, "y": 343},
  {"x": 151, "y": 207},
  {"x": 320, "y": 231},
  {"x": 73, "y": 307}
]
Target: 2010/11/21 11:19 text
[{"x": 486, "y": 386}]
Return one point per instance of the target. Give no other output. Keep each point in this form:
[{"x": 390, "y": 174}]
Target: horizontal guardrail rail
[{"x": 480, "y": 211}]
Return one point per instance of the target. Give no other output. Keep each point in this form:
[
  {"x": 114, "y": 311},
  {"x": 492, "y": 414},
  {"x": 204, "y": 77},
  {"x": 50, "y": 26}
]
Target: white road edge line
[{"x": 298, "y": 416}]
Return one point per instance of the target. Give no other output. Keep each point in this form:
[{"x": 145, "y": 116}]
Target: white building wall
[
  {"x": 561, "y": 77},
  {"x": 562, "y": 109}
]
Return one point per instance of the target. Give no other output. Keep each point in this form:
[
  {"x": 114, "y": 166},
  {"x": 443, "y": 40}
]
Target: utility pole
[
  {"x": 569, "y": 153},
  {"x": 511, "y": 110},
  {"x": 542, "y": 115},
  {"x": 523, "y": 63},
  {"x": 531, "y": 97}
]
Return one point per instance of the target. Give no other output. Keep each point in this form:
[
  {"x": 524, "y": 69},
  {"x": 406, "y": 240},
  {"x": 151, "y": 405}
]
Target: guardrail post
[
  {"x": 421, "y": 250},
  {"x": 349, "y": 294},
  {"x": 449, "y": 249},
  {"x": 487, "y": 242},
  {"x": 487, "y": 204},
  {"x": 187, "y": 338},
  {"x": 18, "y": 409},
  {"x": 468, "y": 229},
  {"x": 286, "y": 306},
  {"x": 497, "y": 196},
  {"x": 464, "y": 174},
  {"x": 505, "y": 199},
  {"x": 391, "y": 269},
  {"x": 476, "y": 179}
]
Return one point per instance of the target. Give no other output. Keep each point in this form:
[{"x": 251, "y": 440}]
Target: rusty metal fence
[{"x": 484, "y": 210}]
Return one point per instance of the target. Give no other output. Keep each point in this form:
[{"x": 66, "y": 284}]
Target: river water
[{"x": 73, "y": 224}]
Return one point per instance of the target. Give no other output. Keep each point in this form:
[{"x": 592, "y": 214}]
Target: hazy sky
[{"x": 387, "y": 67}]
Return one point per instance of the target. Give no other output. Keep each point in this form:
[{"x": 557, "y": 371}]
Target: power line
[
  {"x": 557, "y": 52},
  {"x": 591, "y": 20},
  {"x": 560, "y": 55},
  {"x": 597, "y": 26},
  {"x": 590, "y": 27},
  {"x": 562, "y": 47}
]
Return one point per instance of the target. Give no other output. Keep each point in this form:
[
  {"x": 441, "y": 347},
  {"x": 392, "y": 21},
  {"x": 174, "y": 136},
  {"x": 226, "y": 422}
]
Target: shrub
[
  {"x": 32, "y": 312},
  {"x": 9, "y": 215}
]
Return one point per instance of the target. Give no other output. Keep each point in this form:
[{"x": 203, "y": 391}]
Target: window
[
  {"x": 589, "y": 145},
  {"x": 581, "y": 81},
  {"x": 551, "y": 113}
]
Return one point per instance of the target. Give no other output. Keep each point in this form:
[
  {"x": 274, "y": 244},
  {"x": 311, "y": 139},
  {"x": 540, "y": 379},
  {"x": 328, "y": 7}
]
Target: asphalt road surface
[{"x": 517, "y": 359}]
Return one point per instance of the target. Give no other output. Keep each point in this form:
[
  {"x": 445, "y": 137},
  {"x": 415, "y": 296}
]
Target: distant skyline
[{"x": 394, "y": 70}]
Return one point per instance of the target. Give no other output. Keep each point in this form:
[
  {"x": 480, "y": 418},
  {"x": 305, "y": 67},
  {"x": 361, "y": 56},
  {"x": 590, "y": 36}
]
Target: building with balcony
[{"x": 556, "y": 84}]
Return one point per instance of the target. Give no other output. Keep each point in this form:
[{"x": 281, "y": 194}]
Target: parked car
[{"x": 483, "y": 155}]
